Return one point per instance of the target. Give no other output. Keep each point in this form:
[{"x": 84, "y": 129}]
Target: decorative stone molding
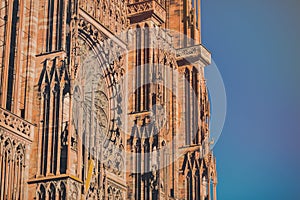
[
  {"x": 153, "y": 6},
  {"x": 114, "y": 192},
  {"x": 112, "y": 14},
  {"x": 113, "y": 159},
  {"x": 198, "y": 51},
  {"x": 16, "y": 124}
]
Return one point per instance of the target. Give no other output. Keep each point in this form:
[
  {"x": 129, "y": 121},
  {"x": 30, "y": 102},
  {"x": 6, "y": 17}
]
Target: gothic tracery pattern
[
  {"x": 69, "y": 128},
  {"x": 12, "y": 160},
  {"x": 110, "y": 13}
]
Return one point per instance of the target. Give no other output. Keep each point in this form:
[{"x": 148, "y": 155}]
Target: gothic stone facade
[{"x": 63, "y": 138}]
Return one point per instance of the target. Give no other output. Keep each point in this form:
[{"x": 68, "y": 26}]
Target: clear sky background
[{"x": 256, "y": 46}]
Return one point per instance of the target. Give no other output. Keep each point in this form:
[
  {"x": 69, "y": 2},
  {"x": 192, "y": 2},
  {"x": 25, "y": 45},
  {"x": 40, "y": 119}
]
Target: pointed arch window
[
  {"x": 52, "y": 192},
  {"x": 42, "y": 193},
  {"x": 189, "y": 186},
  {"x": 118, "y": 196},
  {"x": 6, "y": 169},
  {"x": 197, "y": 185},
  {"x": 110, "y": 195},
  {"x": 62, "y": 193},
  {"x": 18, "y": 173}
]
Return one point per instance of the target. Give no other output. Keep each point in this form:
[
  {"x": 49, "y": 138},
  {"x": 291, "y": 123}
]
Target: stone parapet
[
  {"x": 194, "y": 53},
  {"x": 16, "y": 124},
  {"x": 153, "y": 7}
]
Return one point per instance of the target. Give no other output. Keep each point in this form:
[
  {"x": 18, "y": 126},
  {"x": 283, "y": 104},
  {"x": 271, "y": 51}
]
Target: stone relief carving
[
  {"x": 113, "y": 158},
  {"x": 114, "y": 192},
  {"x": 96, "y": 78},
  {"x": 139, "y": 7},
  {"x": 48, "y": 189},
  {"x": 112, "y": 14},
  {"x": 14, "y": 148},
  {"x": 156, "y": 6},
  {"x": 197, "y": 50},
  {"x": 15, "y": 123}
]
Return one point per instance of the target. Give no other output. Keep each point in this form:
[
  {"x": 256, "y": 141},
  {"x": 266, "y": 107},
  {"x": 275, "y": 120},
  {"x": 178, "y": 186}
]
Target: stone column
[
  {"x": 199, "y": 103},
  {"x": 7, "y": 50},
  {"x": 41, "y": 130},
  {"x": 92, "y": 132},
  {"x": 201, "y": 187},
  {"x": 59, "y": 124},
  {"x": 17, "y": 183},
  {"x": 57, "y": 193},
  {"x": 150, "y": 165},
  {"x": 142, "y": 67},
  {"x": 50, "y": 127},
  {"x": 18, "y": 68},
  {"x": 191, "y": 93},
  {"x": 142, "y": 164},
  {"x": 10, "y": 175},
  {"x": 199, "y": 19},
  {"x": 208, "y": 186},
  {"x": 1, "y": 157},
  {"x": 70, "y": 128},
  {"x": 79, "y": 140},
  {"x": 31, "y": 56},
  {"x": 215, "y": 191}
]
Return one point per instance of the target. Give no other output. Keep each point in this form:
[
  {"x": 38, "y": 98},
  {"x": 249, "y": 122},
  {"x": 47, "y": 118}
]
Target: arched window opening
[
  {"x": 52, "y": 192},
  {"x": 6, "y": 169},
  {"x": 110, "y": 193},
  {"x": 118, "y": 196},
  {"x": 62, "y": 193},
  {"x": 189, "y": 187},
  {"x": 197, "y": 185},
  {"x": 18, "y": 173},
  {"x": 42, "y": 193},
  {"x": 11, "y": 171}
]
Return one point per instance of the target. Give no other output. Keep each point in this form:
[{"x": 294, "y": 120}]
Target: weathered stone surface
[{"x": 100, "y": 100}]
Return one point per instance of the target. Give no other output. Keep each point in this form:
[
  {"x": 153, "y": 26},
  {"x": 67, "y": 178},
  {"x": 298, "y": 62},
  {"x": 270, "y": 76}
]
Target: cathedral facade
[{"x": 104, "y": 99}]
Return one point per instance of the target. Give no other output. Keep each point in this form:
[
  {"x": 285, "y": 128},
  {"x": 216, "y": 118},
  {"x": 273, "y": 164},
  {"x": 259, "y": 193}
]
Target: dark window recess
[{"x": 12, "y": 54}]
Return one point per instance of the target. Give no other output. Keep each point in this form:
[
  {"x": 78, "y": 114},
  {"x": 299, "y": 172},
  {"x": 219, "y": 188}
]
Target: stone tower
[{"x": 104, "y": 99}]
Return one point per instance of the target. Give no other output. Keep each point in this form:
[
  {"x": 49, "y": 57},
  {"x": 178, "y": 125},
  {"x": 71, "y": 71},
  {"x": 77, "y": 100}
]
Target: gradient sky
[{"x": 256, "y": 46}]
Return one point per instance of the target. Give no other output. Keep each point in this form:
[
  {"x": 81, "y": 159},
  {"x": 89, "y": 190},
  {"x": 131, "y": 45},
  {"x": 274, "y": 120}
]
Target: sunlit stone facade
[{"x": 131, "y": 124}]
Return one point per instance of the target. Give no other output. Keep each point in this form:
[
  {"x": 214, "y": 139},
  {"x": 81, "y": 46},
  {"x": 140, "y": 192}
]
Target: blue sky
[{"x": 256, "y": 46}]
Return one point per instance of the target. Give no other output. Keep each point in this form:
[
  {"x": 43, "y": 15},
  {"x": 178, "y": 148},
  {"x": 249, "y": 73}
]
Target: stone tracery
[
  {"x": 110, "y": 13},
  {"x": 80, "y": 151},
  {"x": 12, "y": 167}
]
